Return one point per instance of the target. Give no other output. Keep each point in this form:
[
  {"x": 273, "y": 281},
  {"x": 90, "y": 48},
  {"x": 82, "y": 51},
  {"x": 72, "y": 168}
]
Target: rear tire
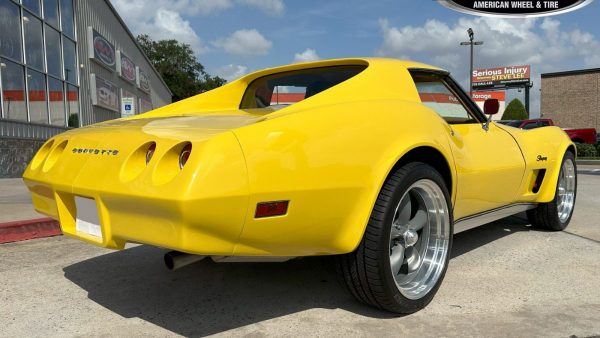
[
  {"x": 556, "y": 214},
  {"x": 401, "y": 261}
]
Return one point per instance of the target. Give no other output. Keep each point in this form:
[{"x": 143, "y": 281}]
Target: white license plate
[{"x": 87, "y": 219}]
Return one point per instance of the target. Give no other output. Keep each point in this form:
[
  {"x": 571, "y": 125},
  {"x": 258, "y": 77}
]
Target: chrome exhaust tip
[{"x": 175, "y": 259}]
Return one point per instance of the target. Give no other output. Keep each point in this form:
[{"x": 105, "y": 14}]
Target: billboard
[
  {"x": 104, "y": 93},
  {"x": 480, "y": 97},
  {"x": 501, "y": 76},
  {"x": 126, "y": 68}
]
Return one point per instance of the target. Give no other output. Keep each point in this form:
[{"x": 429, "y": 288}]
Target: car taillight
[
  {"x": 150, "y": 152},
  {"x": 185, "y": 155}
]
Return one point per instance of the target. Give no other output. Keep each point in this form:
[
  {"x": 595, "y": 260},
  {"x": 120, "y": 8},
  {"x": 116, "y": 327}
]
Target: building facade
[
  {"x": 66, "y": 64},
  {"x": 572, "y": 98}
]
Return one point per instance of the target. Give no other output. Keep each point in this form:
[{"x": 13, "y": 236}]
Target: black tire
[
  {"x": 366, "y": 272},
  {"x": 545, "y": 215}
]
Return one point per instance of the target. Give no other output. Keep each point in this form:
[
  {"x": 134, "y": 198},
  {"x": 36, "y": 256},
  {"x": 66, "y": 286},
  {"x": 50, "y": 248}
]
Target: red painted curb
[{"x": 28, "y": 229}]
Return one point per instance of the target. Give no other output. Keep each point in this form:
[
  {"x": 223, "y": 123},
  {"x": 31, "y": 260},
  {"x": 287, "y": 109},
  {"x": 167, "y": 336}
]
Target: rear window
[{"x": 280, "y": 90}]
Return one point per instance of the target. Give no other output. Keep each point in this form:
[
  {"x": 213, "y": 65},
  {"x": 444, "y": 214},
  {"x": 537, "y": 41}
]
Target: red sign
[
  {"x": 126, "y": 67},
  {"x": 482, "y": 96},
  {"x": 501, "y": 76}
]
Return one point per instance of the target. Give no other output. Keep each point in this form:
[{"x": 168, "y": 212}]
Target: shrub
[
  {"x": 515, "y": 111},
  {"x": 73, "y": 121},
  {"x": 586, "y": 150}
]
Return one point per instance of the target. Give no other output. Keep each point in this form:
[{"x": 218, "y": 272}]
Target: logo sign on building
[
  {"x": 128, "y": 103},
  {"x": 104, "y": 93},
  {"x": 143, "y": 82},
  {"x": 126, "y": 67},
  {"x": 480, "y": 97},
  {"x": 514, "y": 8},
  {"x": 101, "y": 50},
  {"x": 501, "y": 76},
  {"x": 145, "y": 106}
]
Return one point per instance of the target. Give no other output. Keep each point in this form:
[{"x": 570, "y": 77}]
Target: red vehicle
[{"x": 583, "y": 135}]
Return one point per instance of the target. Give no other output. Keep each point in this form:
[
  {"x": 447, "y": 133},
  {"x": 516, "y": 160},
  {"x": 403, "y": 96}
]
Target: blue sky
[{"x": 233, "y": 37}]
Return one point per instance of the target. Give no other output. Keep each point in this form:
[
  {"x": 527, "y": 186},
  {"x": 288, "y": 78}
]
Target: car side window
[
  {"x": 544, "y": 123},
  {"x": 436, "y": 94}
]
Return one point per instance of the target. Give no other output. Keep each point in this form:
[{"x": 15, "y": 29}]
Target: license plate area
[{"x": 87, "y": 220}]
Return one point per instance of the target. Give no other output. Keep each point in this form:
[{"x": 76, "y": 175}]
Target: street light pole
[{"x": 471, "y": 43}]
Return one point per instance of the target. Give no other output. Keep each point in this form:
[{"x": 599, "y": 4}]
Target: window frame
[{"x": 468, "y": 104}]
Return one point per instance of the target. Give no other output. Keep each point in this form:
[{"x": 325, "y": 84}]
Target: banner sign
[
  {"x": 126, "y": 67},
  {"x": 143, "y": 82},
  {"x": 128, "y": 104},
  {"x": 100, "y": 50},
  {"x": 501, "y": 77},
  {"x": 104, "y": 93},
  {"x": 514, "y": 8},
  {"x": 482, "y": 96}
]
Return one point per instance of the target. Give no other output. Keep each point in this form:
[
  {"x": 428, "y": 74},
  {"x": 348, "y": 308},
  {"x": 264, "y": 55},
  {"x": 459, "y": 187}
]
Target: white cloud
[
  {"x": 271, "y": 7},
  {"x": 231, "y": 72},
  {"x": 541, "y": 43},
  {"x": 245, "y": 42},
  {"x": 308, "y": 55}
]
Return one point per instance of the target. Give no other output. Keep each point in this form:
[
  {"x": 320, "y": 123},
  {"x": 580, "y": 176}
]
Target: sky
[{"x": 234, "y": 37}]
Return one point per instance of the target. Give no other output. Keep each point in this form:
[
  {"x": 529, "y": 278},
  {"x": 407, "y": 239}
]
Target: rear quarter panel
[{"x": 330, "y": 163}]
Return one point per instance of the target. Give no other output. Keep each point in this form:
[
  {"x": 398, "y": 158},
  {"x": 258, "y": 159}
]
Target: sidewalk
[{"x": 15, "y": 201}]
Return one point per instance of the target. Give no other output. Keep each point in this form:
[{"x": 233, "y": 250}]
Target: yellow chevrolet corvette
[{"x": 376, "y": 161}]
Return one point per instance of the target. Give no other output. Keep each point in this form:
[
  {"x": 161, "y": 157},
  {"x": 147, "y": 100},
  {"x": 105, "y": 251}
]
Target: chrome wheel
[
  {"x": 566, "y": 190},
  {"x": 419, "y": 239}
]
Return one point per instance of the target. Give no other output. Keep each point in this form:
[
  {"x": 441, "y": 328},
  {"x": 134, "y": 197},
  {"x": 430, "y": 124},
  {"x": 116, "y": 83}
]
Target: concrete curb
[
  {"x": 588, "y": 162},
  {"x": 29, "y": 229}
]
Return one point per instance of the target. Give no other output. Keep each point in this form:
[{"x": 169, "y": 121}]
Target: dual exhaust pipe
[{"x": 175, "y": 260}]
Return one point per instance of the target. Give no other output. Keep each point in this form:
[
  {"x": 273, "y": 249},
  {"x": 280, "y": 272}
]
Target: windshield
[{"x": 280, "y": 90}]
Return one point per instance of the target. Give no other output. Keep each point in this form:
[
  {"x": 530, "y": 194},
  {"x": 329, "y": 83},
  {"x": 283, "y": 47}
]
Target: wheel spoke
[
  {"x": 413, "y": 259},
  {"x": 418, "y": 222},
  {"x": 397, "y": 258},
  {"x": 404, "y": 210}
]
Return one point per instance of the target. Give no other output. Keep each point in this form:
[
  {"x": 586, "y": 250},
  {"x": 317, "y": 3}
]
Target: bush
[
  {"x": 586, "y": 150},
  {"x": 73, "y": 121},
  {"x": 515, "y": 111}
]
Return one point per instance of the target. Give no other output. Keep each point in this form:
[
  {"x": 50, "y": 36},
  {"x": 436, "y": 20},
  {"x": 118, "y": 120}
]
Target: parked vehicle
[
  {"x": 379, "y": 164},
  {"x": 577, "y": 135}
]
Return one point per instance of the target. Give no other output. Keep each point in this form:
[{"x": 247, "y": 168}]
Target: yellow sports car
[{"x": 376, "y": 161}]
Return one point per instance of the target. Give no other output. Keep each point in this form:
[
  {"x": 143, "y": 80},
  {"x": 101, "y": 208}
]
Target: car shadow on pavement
[
  {"x": 477, "y": 237},
  {"x": 207, "y": 298}
]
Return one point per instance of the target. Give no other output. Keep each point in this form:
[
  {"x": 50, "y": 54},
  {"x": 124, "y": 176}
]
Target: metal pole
[
  {"x": 527, "y": 87},
  {"x": 471, "y": 71}
]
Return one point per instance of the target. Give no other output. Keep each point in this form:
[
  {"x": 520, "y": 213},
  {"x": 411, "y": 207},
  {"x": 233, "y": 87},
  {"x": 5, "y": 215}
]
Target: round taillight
[
  {"x": 150, "y": 152},
  {"x": 185, "y": 155}
]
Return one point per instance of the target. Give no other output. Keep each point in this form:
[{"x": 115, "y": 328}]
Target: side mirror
[{"x": 491, "y": 106}]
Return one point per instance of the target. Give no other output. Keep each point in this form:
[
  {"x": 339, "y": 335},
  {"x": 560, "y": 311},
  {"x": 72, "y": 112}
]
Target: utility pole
[{"x": 471, "y": 43}]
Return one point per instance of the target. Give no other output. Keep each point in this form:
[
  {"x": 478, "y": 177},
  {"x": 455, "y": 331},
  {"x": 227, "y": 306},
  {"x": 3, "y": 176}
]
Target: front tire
[
  {"x": 403, "y": 256},
  {"x": 556, "y": 214}
]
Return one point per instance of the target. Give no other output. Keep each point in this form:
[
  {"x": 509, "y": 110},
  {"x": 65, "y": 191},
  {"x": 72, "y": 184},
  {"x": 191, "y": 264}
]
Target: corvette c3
[{"x": 377, "y": 162}]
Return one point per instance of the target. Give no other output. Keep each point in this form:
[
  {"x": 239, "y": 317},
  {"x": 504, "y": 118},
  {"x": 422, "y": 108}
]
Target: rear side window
[
  {"x": 531, "y": 125},
  {"x": 438, "y": 95},
  {"x": 283, "y": 89}
]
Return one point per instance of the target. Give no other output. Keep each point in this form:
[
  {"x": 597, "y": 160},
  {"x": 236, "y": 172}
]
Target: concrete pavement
[
  {"x": 15, "y": 201},
  {"x": 504, "y": 279}
]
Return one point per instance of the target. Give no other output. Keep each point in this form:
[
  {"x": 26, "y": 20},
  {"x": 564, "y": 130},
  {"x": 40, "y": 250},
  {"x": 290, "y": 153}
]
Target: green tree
[
  {"x": 515, "y": 111},
  {"x": 179, "y": 67}
]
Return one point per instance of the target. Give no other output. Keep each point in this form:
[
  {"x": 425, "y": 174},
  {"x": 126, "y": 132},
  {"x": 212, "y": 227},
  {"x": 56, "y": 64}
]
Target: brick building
[{"x": 572, "y": 98}]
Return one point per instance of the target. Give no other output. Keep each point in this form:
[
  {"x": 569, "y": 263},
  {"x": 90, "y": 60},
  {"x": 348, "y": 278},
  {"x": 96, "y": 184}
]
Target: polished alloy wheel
[
  {"x": 419, "y": 239},
  {"x": 566, "y": 190}
]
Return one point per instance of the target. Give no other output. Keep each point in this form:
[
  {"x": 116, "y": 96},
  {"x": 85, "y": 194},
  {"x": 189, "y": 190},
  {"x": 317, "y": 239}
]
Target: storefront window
[
  {"x": 36, "y": 84},
  {"x": 13, "y": 90},
  {"x": 34, "y": 52},
  {"x": 53, "y": 52},
  {"x": 32, "y": 5},
  {"x": 10, "y": 26},
  {"x": 73, "y": 105},
  {"x": 66, "y": 12},
  {"x": 51, "y": 12},
  {"x": 56, "y": 98},
  {"x": 70, "y": 60}
]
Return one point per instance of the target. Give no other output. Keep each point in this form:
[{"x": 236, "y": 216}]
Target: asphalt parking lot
[{"x": 504, "y": 279}]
